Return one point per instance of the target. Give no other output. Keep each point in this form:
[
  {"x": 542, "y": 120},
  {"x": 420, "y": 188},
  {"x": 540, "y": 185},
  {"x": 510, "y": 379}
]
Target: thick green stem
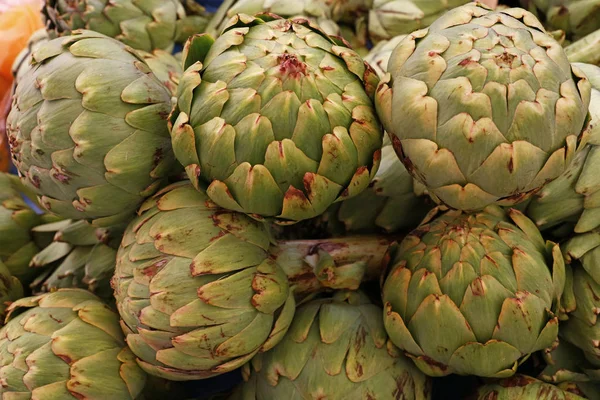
[{"x": 339, "y": 263}]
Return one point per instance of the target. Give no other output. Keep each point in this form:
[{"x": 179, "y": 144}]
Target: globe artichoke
[
  {"x": 80, "y": 256},
  {"x": 17, "y": 245},
  {"x": 389, "y": 18},
  {"x": 380, "y": 54},
  {"x": 196, "y": 289},
  {"x": 142, "y": 24},
  {"x": 572, "y": 198},
  {"x": 277, "y": 118},
  {"x": 166, "y": 67},
  {"x": 336, "y": 348},
  {"x": 345, "y": 18},
  {"x": 77, "y": 120},
  {"x": 23, "y": 60},
  {"x": 520, "y": 387},
  {"x": 583, "y": 327},
  {"x": 585, "y": 50},
  {"x": 10, "y": 288},
  {"x": 396, "y": 200},
  {"x": 488, "y": 278},
  {"x": 66, "y": 345},
  {"x": 568, "y": 369},
  {"x": 576, "y": 17},
  {"x": 489, "y": 99}
]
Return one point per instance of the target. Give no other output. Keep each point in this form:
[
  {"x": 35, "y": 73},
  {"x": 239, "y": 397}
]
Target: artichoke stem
[{"x": 339, "y": 263}]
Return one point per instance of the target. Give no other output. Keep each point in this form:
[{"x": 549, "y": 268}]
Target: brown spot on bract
[{"x": 157, "y": 157}]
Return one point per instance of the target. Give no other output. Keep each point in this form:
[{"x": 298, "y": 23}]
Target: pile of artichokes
[{"x": 306, "y": 199}]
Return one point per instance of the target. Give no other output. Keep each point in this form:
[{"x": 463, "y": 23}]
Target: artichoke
[
  {"x": 142, "y": 24},
  {"x": 486, "y": 278},
  {"x": 277, "y": 118},
  {"x": 568, "y": 369},
  {"x": 345, "y": 18},
  {"x": 66, "y": 345},
  {"x": 396, "y": 200},
  {"x": 336, "y": 348},
  {"x": 80, "y": 256},
  {"x": 583, "y": 327},
  {"x": 166, "y": 67},
  {"x": 389, "y": 18},
  {"x": 576, "y": 17},
  {"x": 196, "y": 289},
  {"x": 380, "y": 54},
  {"x": 10, "y": 288},
  {"x": 520, "y": 387},
  {"x": 17, "y": 245},
  {"x": 483, "y": 107},
  {"x": 585, "y": 50},
  {"x": 23, "y": 60},
  {"x": 77, "y": 121},
  {"x": 572, "y": 199}
]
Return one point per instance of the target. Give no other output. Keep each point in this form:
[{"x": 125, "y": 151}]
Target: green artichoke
[
  {"x": 585, "y": 50},
  {"x": 396, "y": 200},
  {"x": 345, "y": 18},
  {"x": 277, "y": 118},
  {"x": 576, "y": 17},
  {"x": 380, "y": 54},
  {"x": 335, "y": 349},
  {"x": 583, "y": 327},
  {"x": 572, "y": 199},
  {"x": 484, "y": 277},
  {"x": 66, "y": 345},
  {"x": 196, "y": 289},
  {"x": 389, "y": 18},
  {"x": 10, "y": 288},
  {"x": 23, "y": 60},
  {"x": 520, "y": 387},
  {"x": 17, "y": 245},
  {"x": 483, "y": 107},
  {"x": 142, "y": 24},
  {"x": 80, "y": 256},
  {"x": 166, "y": 67},
  {"x": 78, "y": 119},
  {"x": 568, "y": 369}
]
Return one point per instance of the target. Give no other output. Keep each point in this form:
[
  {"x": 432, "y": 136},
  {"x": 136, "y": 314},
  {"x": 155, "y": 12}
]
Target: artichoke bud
[
  {"x": 483, "y": 113},
  {"x": 488, "y": 277},
  {"x": 281, "y": 133},
  {"x": 520, "y": 387},
  {"x": 198, "y": 293},
  {"x": 66, "y": 344},
  {"x": 336, "y": 347},
  {"x": 95, "y": 100}
]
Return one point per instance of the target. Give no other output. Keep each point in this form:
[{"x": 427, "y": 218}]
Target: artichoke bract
[
  {"x": 142, "y": 24},
  {"x": 488, "y": 278},
  {"x": 197, "y": 291},
  {"x": 11, "y": 288},
  {"x": 277, "y": 118},
  {"x": 389, "y": 18},
  {"x": 336, "y": 348},
  {"x": 17, "y": 245},
  {"x": 583, "y": 327},
  {"x": 79, "y": 256},
  {"x": 572, "y": 199},
  {"x": 520, "y": 387},
  {"x": 66, "y": 345},
  {"x": 575, "y": 17},
  {"x": 483, "y": 107},
  {"x": 88, "y": 128},
  {"x": 165, "y": 66}
]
